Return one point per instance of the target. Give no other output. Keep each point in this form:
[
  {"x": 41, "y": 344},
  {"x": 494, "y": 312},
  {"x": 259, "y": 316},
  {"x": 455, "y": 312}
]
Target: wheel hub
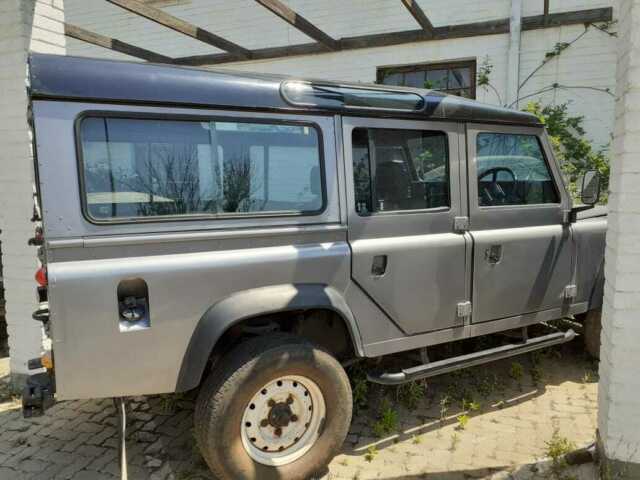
[
  {"x": 282, "y": 420},
  {"x": 280, "y": 415}
]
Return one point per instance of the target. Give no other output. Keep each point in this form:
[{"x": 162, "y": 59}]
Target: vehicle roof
[{"x": 90, "y": 79}]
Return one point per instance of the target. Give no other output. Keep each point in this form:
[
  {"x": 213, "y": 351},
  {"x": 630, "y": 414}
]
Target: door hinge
[
  {"x": 465, "y": 309},
  {"x": 570, "y": 292},
  {"x": 461, "y": 224}
]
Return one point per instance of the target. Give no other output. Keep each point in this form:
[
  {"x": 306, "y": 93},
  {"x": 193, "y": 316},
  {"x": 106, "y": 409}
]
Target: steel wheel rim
[{"x": 282, "y": 420}]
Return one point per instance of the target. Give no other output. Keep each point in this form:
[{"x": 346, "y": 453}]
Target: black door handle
[
  {"x": 493, "y": 254},
  {"x": 379, "y": 265}
]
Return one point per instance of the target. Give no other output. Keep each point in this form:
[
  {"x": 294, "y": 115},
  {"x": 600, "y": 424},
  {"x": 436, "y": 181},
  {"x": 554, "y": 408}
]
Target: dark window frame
[
  {"x": 373, "y": 167},
  {"x": 194, "y": 118},
  {"x": 382, "y": 72},
  {"x": 545, "y": 158}
]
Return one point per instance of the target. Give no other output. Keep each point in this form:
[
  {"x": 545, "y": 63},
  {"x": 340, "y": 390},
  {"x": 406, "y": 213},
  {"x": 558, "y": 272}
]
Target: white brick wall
[
  {"x": 590, "y": 62},
  {"x": 619, "y": 421},
  {"x": 35, "y": 25}
]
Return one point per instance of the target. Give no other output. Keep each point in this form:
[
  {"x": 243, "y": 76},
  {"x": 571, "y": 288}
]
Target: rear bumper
[{"x": 38, "y": 395}]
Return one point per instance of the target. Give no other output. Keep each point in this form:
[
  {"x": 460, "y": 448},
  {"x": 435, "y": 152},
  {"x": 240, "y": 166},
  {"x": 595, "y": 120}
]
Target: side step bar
[{"x": 464, "y": 361}]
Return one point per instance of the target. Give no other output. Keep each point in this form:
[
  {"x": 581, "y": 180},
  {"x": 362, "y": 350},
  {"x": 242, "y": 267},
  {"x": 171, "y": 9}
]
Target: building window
[{"x": 456, "y": 78}]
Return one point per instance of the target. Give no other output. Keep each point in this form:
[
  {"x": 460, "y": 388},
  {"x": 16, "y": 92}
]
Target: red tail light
[{"x": 41, "y": 276}]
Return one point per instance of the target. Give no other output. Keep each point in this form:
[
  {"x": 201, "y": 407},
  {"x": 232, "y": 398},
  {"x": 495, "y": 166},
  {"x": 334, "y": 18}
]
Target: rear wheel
[{"x": 275, "y": 407}]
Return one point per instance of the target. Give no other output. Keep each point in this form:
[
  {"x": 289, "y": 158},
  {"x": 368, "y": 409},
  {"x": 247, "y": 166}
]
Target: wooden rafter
[
  {"x": 419, "y": 15},
  {"x": 113, "y": 44},
  {"x": 299, "y": 22},
  {"x": 351, "y": 43},
  {"x": 186, "y": 28},
  {"x": 491, "y": 27}
]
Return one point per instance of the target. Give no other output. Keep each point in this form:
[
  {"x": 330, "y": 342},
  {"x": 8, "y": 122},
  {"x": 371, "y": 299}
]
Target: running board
[{"x": 464, "y": 361}]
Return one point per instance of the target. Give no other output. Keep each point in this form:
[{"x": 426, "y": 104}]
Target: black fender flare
[
  {"x": 597, "y": 291},
  {"x": 239, "y": 306}
]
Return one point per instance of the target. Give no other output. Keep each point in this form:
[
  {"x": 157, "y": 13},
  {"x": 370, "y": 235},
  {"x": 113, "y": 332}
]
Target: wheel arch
[{"x": 253, "y": 303}]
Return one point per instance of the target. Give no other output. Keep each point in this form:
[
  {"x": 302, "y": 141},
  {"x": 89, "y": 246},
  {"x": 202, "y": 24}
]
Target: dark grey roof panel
[{"x": 89, "y": 79}]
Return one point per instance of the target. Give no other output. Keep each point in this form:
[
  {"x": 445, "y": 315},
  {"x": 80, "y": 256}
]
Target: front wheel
[{"x": 275, "y": 407}]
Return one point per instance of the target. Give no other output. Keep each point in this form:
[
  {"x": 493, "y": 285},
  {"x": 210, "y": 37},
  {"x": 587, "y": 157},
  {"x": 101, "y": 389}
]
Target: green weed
[
  {"x": 411, "y": 394},
  {"x": 516, "y": 372},
  {"x": 360, "y": 394},
  {"x": 557, "y": 448},
  {"x": 387, "y": 420},
  {"x": 462, "y": 421},
  {"x": 372, "y": 451}
]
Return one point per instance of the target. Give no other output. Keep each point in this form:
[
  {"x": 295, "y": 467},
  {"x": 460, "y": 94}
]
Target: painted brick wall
[
  {"x": 590, "y": 62},
  {"x": 35, "y": 25},
  {"x": 619, "y": 422}
]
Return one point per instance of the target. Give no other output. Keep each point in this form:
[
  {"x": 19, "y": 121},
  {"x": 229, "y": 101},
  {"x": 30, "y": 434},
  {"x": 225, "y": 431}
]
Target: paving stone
[
  {"x": 91, "y": 475},
  {"x": 72, "y": 445},
  {"x": 48, "y": 473},
  {"x": 71, "y": 469},
  {"x": 90, "y": 451},
  {"x": 100, "y": 463},
  {"x": 78, "y": 440},
  {"x": 101, "y": 437},
  {"x": 145, "y": 437}
]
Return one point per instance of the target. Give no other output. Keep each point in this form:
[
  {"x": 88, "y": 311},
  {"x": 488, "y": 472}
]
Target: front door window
[{"x": 512, "y": 170}]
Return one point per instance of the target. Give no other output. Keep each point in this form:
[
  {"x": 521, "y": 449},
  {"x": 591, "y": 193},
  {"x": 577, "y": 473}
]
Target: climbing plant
[{"x": 574, "y": 151}]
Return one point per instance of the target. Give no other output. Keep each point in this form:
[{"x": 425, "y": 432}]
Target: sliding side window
[{"x": 140, "y": 168}]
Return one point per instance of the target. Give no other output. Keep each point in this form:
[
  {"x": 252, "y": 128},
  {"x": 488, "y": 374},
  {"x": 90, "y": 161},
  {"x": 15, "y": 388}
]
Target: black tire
[
  {"x": 243, "y": 372},
  {"x": 592, "y": 324}
]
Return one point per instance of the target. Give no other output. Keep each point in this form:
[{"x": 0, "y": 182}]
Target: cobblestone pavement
[{"x": 511, "y": 411}]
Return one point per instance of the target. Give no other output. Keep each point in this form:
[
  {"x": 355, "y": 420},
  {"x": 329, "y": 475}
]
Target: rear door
[
  {"x": 522, "y": 258},
  {"x": 403, "y": 182}
]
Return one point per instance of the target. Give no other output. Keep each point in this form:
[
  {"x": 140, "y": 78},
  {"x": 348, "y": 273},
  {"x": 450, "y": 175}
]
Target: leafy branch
[{"x": 484, "y": 77}]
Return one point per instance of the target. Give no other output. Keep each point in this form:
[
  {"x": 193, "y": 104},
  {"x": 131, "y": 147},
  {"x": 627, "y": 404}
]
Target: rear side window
[
  {"x": 136, "y": 168},
  {"x": 512, "y": 171},
  {"x": 396, "y": 170}
]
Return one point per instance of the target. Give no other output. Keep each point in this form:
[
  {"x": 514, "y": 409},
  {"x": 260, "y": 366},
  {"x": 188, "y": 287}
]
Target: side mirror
[{"x": 590, "y": 188}]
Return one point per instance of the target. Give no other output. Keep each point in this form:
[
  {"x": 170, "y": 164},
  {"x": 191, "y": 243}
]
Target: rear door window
[
  {"x": 141, "y": 168},
  {"x": 399, "y": 170}
]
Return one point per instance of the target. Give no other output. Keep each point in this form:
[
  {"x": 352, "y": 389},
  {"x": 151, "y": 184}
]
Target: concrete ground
[{"x": 491, "y": 422}]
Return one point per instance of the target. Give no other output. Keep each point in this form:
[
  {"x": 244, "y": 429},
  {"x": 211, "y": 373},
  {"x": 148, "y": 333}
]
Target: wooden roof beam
[
  {"x": 491, "y": 27},
  {"x": 299, "y": 22},
  {"x": 113, "y": 44},
  {"x": 420, "y": 16},
  {"x": 186, "y": 28}
]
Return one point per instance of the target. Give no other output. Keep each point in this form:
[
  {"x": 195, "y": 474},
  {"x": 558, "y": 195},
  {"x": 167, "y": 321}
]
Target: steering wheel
[{"x": 494, "y": 194}]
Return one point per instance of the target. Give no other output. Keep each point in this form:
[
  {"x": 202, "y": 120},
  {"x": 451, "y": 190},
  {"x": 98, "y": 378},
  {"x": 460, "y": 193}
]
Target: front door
[
  {"x": 522, "y": 258},
  {"x": 403, "y": 190}
]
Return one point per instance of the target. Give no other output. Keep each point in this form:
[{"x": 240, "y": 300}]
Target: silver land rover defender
[{"x": 249, "y": 235}]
